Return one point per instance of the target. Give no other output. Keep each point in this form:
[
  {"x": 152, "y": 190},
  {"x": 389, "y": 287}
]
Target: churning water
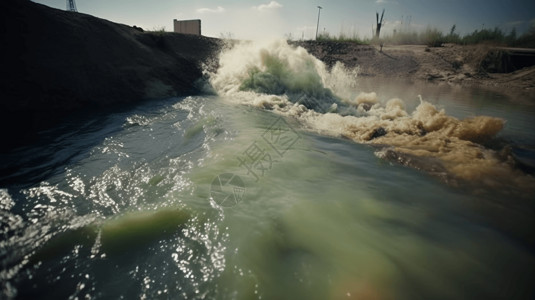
[{"x": 290, "y": 182}]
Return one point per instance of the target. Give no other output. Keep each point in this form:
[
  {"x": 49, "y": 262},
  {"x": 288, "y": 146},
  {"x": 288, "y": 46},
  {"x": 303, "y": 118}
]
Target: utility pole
[
  {"x": 317, "y": 26},
  {"x": 71, "y": 6}
]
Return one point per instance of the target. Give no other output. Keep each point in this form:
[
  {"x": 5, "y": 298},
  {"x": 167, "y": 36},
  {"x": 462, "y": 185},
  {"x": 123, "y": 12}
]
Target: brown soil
[{"x": 453, "y": 64}]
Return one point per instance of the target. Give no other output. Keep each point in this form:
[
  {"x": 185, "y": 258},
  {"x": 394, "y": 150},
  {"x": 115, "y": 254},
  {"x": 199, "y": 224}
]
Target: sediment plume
[{"x": 289, "y": 81}]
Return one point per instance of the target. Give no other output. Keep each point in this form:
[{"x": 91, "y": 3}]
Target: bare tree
[{"x": 379, "y": 23}]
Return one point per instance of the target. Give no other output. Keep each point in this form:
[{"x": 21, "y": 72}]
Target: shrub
[
  {"x": 432, "y": 37},
  {"x": 326, "y": 36}
]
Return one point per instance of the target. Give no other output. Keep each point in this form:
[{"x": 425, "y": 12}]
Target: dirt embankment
[
  {"x": 467, "y": 65},
  {"x": 55, "y": 63}
]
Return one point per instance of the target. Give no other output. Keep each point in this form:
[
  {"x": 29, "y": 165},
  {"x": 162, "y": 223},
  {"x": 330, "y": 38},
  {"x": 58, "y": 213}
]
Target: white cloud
[
  {"x": 218, "y": 10},
  {"x": 270, "y": 5}
]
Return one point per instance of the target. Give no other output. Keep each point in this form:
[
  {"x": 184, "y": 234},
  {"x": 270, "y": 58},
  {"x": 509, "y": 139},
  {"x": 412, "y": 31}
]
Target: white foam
[{"x": 269, "y": 75}]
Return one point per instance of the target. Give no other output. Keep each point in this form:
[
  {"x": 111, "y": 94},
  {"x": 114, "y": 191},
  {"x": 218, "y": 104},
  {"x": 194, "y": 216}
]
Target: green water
[{"x": 126, "y": 206}]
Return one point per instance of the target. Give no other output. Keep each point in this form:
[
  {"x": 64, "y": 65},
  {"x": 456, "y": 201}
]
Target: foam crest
[
  {"x": 275, "y": 68},
  {"x": 291, "y": 82}
]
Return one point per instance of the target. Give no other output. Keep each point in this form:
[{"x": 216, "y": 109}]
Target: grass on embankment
[{"x": 433, "y": 37}]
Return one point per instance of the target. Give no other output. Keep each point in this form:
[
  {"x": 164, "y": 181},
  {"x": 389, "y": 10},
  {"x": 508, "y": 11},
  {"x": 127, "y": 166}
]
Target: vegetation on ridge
[{"x": 435, "y": 38}]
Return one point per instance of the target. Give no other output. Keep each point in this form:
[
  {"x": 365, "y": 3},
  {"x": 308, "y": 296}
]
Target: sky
[{"x": 297, "y": 19}]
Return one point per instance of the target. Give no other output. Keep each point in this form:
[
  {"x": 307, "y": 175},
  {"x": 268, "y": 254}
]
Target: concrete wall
[{"x": 187, "y": 26}]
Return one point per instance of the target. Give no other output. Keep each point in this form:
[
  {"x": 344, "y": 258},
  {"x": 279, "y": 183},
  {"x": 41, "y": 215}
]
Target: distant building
[{"x": 187, "y": 26}]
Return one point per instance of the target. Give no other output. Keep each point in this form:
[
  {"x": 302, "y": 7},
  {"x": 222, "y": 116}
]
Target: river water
[{"x": 286, "y": 181}]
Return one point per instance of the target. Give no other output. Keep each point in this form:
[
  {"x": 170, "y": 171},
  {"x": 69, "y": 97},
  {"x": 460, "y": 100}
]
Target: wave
[{"x": 291, "y": 82}]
